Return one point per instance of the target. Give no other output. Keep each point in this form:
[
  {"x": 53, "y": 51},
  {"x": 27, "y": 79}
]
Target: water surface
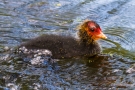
[{"x": 26, "y": 19}]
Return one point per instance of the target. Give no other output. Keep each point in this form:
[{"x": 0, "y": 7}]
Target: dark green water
[{"x": 25, "y": 19}]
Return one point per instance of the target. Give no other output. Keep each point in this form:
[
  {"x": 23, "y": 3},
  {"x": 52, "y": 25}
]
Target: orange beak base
[{"x": 100, "y": 36}]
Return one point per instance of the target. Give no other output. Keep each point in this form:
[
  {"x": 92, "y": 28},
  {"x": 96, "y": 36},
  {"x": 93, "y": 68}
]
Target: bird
[{"x": 85, "y": 45}]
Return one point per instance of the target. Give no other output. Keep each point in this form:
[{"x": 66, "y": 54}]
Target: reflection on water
[
  {"x": 122, "y": 42},
  {"x": 20, "y": 21}
]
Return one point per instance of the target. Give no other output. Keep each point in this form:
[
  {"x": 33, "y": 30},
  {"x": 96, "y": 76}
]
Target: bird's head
[{"x": 92, "y": 29}]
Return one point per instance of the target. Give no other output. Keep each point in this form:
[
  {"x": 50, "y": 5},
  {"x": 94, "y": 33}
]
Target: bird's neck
[
  {"x": 88, "y": 45},
  {"x": 85, "y": 38}
]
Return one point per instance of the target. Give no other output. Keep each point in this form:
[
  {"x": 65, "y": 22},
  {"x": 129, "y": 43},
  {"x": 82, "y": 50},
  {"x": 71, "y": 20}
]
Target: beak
[{"x": 102, "y": 35}]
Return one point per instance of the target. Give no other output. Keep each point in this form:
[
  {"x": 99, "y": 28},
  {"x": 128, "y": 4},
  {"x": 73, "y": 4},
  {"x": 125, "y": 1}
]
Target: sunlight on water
[{"x": 26, "y": 19}]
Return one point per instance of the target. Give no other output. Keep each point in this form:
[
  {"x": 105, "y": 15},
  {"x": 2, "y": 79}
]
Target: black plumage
[
  {"x": 63, "y": 46},
  {"x": 68, "y": 46}
]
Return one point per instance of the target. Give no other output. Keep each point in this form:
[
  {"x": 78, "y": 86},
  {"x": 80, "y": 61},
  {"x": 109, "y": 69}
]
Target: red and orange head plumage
[{"x": 90, "y": 30}]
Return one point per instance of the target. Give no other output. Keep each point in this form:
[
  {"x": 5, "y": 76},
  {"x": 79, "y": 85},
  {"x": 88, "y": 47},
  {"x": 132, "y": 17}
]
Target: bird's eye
[{"x": 92, "y": 29}]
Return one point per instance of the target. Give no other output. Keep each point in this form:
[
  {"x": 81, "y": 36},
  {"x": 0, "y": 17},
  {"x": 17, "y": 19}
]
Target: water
[{"x": 26, "y": 19}]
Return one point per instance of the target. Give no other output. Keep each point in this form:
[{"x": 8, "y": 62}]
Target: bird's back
[{"x": 60, "y": 46}]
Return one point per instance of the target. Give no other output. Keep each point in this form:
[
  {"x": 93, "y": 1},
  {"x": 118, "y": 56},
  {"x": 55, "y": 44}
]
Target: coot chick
[{"x": 68, "y": 46}]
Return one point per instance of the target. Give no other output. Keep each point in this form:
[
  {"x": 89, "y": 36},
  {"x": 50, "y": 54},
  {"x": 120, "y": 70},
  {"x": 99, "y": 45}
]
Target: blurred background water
[{"x": 25, "y": 19}]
